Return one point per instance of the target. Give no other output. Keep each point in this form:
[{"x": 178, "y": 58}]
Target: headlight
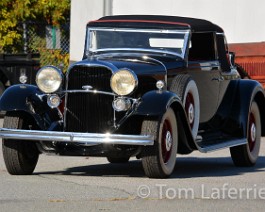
[
  {"x": 49, "y": 79},
  {"x": 123, "y": 82}
]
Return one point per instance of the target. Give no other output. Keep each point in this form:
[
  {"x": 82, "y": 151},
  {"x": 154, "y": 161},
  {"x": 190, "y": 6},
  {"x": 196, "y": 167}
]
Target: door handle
[{"x": 219, "y": 79}]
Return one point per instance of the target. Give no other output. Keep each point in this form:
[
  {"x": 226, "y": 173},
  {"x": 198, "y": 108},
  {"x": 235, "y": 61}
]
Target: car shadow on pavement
[
  {"x": 186, "y": 167},
  {"x": 213, "y": 167}
]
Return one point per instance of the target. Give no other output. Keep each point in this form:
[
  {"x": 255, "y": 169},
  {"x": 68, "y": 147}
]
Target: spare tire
[{"x": 185, "y": 87}]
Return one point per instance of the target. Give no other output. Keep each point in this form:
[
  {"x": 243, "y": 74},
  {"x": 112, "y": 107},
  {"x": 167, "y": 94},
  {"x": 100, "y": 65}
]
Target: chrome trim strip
[
  {"x": 74, "y": 137},
  {"x": 137, "y": 49},
  {"x": 89, "y": 91},
  {"x": 186, "y": 43}
]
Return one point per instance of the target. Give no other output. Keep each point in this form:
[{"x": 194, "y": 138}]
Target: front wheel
[
  {"x": 247, "y": 155},
  {"x": 159, "y": 160},
  {"x": 20, "y": 157}
]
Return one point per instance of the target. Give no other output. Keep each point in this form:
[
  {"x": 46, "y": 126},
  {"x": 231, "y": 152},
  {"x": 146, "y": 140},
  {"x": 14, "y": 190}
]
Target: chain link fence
[{"x": 52, "y": 43}]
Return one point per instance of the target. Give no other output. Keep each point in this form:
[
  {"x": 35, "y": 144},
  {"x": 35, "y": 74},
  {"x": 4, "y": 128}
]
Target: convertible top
[{"x": 156, "y": 21}]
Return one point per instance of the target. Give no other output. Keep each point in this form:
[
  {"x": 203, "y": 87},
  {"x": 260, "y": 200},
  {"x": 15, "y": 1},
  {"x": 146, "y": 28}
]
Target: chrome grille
[{"x": 87, "y": 112}]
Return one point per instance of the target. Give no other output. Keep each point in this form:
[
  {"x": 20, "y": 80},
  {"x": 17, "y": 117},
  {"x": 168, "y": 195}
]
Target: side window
[
  {"x": 223, "y": 52},
  {"x": 202, "y": 46}
]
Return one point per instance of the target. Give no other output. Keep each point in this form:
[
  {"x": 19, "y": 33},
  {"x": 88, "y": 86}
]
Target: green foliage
[
  {"x": 53, "y": 11},
  {"x": 55, "y": 57},
  {"x": 13, "y": 12}
]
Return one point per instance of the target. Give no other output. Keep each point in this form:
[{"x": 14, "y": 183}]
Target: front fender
[
  {"x": 17, "y": 97},
  {"x": 24, "y": 98},
  {"x": 155, "y": 103}
]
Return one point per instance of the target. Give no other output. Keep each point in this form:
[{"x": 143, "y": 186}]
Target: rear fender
[
  {"x": 251, "y": 90},
  {"x": 232, "y": 115}
]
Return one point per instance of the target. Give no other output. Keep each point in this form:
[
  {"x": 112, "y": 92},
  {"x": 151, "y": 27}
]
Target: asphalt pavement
[{"x": 200, "y": 182}]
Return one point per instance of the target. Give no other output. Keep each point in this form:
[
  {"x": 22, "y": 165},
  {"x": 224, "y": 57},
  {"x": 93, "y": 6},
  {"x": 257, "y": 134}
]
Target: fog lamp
[
  {"x": 121, "y": 104},
  {"x": 53, "y": 101}
]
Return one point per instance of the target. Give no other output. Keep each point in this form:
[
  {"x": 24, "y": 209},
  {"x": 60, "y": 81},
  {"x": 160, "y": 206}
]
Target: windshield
[{"x": 110, "y": 39}]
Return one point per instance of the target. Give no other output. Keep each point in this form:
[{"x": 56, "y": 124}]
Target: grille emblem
[{"x": 87, "y": 87}]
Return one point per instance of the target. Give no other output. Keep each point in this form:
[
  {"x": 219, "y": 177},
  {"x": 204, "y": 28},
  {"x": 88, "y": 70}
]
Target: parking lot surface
[{"x": 200, "y": 182}]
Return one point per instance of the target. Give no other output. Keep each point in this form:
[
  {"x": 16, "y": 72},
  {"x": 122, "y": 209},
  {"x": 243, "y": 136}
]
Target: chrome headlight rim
[
  {"x": 135, "y": 82},
  {"x": 53, "y": 87}
]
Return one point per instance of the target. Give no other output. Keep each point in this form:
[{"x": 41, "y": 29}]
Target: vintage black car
[
  {"x": 148, "y": 86},
  {"x": 18, "y": 68}
]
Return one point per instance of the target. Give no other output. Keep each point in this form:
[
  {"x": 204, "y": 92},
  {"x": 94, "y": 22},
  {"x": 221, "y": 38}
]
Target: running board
[{"x": 205, "y": 147}]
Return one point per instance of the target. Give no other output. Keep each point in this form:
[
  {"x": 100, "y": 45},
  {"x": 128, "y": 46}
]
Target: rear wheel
[
  {"x": 159, "y": 160},
  {"x": 20, "y": 157},
  {"x": 247, "y": 155}
]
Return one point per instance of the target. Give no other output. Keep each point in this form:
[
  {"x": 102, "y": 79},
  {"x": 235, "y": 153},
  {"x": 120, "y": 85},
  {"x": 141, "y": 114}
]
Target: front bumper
[{"x": 73, "y": 137}]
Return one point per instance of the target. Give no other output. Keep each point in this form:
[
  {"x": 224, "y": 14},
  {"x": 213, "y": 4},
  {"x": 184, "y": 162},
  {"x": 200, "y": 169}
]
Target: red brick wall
[{"x": 251, "y": 56}]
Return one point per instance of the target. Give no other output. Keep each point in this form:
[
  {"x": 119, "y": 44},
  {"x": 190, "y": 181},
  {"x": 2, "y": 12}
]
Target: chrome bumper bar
[{"x": 73, "y": 137}]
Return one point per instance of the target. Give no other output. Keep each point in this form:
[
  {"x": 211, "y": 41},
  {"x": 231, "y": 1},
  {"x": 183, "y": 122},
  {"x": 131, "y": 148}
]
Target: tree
[{"x": 15, "y": 12}]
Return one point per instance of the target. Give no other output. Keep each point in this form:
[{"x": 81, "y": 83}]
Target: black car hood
[{"x": 139, "y": 63}]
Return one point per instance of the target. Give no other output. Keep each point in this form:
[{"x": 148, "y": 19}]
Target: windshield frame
[{"x": 186, "y": 34}]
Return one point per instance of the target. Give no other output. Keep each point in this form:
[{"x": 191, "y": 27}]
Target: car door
[
  {"x": 207, "y": 77},
  {"x": 205, "y": 69}
]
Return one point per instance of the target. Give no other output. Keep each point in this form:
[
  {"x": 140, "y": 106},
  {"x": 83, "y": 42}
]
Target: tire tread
[
  {"x": 177, "y": 85},
  {"x": 13, "y": 151},
  {"x": 150, "y": 160}
]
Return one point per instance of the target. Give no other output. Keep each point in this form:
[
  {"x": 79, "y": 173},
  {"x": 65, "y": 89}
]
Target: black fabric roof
[{"x": 156, "y": 21}]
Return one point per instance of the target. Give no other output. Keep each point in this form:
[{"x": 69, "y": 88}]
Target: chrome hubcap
[
  {"x": 253, "y": 132},
  {"x": 190, "y": 110},
  {"x": 191, "y": 113},
  {"x": 168, "y": 141}
]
